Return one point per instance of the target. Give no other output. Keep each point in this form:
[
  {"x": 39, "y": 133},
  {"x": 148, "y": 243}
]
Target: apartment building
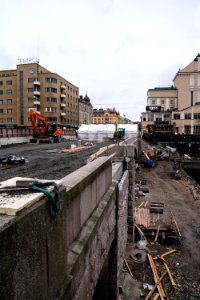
[
  {"x": 108, "y": 116},
  {"x": 31, "y": 86},
  {"x": 175, "y": 108},
  {"x": 187, "y": 81},
  {"x": 161, "y": 101},
  {"x": 85, "y": 110}
]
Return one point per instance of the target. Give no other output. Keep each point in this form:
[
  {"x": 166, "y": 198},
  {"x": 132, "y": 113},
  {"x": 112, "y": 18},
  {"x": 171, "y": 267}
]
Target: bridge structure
[{"x": 79, "y": 252}]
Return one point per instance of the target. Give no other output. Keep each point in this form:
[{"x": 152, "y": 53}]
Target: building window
[
  {"x": 1, "y": 101},
  {"x": 150, "y": 117},
  {"x": 50, "y": 90},
  {"x": 51, "y": 99},
  {"x": 166, "y": 116},
  {"x": 196, "y": 130},
  {"x": 187, "y": 116},
  {"x": 1, "y": 92},
  {"x": 1, "y": 120},
  {"x": 50, "y": 109},
  {"x": 9, "y": 101},
  {"x": 31, "y": 100},
  {"x": 9, "y": 110},
  {"x": 177, "y": 116},
  {"x": 31, "y": 79},
  {"x": 8, "y": 92},
  {"x": 52, "y": 119},
  {"x": 51, "y": 80},
  {"x": 191, "y": 98},
  {"x": 9, "y": 82},
  {"x": 187, "y": 129},
  {"x": 153, "y": 101},
  {"x": 162, "y": 101},
  {"x": 171, "y": 101},
  {"x": 9, "y": 120},
  {"x": 1, "y": 111},
  {"x": 196, "y": 116},
  {"x": 31, "y": 90},
  {"x": 1, "y": 82}
]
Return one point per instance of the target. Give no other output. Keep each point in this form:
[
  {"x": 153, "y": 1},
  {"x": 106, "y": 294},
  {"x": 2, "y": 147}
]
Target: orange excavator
[{"x": 45, "y": 133}]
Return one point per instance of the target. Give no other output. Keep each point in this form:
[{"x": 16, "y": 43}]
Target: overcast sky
[{"x": 115, "y": 50}]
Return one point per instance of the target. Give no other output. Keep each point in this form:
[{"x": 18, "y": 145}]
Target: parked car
[{"x": 12, "y": 160}]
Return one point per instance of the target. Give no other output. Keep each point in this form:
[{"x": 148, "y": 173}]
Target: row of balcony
[
  {"x": 37, "y": 83},
  {"x": 37, "y": 102},
  {"x": 37, "y": 94},
  {"x": 61, "y": 113}
]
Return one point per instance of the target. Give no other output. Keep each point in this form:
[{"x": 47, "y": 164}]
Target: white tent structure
[
  {"x": 131, "y": 130},
  {"x": 95, "y": 132},
  {"x": 99, "y": 132}
]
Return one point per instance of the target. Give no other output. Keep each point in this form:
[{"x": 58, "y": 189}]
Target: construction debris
[
  {"x": 156, "y": 207},
  {"x": 77, "y": 149},
  {"x": 156, "y": 277}
]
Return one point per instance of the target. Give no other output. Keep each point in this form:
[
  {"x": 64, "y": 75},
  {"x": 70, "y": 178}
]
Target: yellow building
[
  {"x": 108, "y": 116},
  {"x": 31, "y": 86},
  {"x": 175, "y": 108},
  {"x": 187, "y": 80}
]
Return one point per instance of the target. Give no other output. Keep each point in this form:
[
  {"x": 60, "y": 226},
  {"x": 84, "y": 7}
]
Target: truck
[{"x": 43, "y": 131}]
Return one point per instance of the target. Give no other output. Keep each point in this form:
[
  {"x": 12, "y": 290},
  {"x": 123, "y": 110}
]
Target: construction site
[{"x": 163, "y": 261}]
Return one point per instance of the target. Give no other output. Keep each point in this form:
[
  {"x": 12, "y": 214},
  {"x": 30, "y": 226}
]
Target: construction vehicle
[
  {"x": 119, "y": 133},
  {"x": 43, "y": 131},
  {"x": 148, "y": 162}
]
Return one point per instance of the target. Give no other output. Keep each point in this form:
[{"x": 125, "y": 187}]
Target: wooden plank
[
  {"x": 194, "y": 193},
  {"x": 141, "y": 204},
  {"x": 156, "y": 237},
  {"x": 156, "y": 277},
  {"x": 155, "y": 286},
  {"x": 176, "y": 225},
  {"x": 128, "y": 268}
]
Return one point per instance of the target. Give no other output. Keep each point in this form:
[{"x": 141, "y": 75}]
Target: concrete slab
[{"x": 13, "y": 204}]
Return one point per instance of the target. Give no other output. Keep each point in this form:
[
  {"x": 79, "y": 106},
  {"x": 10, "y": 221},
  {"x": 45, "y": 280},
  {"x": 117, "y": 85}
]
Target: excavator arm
[
  {"x": 34, "y": 116},
  {"x": 47, "y": 131}
]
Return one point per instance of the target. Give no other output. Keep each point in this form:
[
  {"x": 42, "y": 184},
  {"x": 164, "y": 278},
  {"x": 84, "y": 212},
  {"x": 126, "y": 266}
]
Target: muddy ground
[
  {"x": 45, "y": 161},
  {"x": 184, "y": 264}
]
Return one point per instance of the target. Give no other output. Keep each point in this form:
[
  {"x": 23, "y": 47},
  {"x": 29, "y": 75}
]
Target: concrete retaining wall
[
  {"x": 85, "y": 187},
  {"x": 44, "y": 257},
  {"x": 14, "y": 140}
]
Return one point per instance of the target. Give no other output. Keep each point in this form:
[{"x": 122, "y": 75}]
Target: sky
[{"x": 113, "y": 50}]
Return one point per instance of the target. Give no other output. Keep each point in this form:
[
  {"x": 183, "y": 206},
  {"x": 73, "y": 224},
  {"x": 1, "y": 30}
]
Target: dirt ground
[
  {"x": 184, "y": 264},
  {"x": 45, "y": 161}
]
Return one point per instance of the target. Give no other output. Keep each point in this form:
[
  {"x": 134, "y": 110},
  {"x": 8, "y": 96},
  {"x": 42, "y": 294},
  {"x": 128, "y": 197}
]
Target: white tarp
[
  {"x": 131, "y": 130},
  {"x": 96, "y": 131}
]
